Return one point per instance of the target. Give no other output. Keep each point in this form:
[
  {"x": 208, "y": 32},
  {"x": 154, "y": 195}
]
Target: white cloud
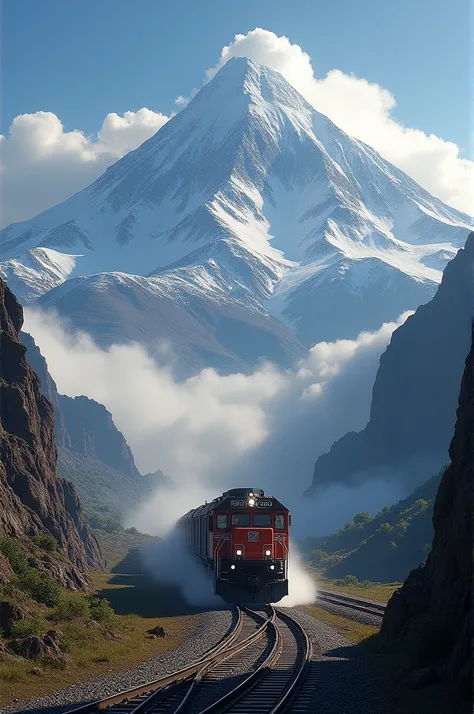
[
  {"x": 363, "y": 109},
  {"x": 41, "y": 164},
  {"x": 211, "y": 431}
]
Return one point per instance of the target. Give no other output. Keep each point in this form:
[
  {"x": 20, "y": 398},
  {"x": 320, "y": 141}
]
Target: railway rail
[
  {"x": 281, "y": 652},
  {"x": 352, "y": 602}
]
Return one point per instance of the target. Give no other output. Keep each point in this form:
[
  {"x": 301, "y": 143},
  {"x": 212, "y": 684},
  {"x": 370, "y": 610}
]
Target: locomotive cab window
[
  {"x": 240, "y": 519},
  {"x": 280, "y": 521},
  {"x": 221, "y": 521},
  {"x": 262, "y": 519}
]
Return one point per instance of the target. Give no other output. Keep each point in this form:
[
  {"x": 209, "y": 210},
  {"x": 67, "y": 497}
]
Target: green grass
[
  {"x": 139, "y": 604},
  {"x": 117, "y": 546},
  {"x": 378, "y": 592},
  {"x": 355, "y": 632}
]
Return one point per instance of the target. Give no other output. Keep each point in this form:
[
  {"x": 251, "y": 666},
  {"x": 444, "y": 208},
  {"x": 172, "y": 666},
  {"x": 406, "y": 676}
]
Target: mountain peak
[
  {"x": 241, "y": 75},
  {"x": 290, "y": 208}
]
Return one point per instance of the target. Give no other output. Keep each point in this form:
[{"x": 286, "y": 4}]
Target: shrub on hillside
[
  {"x": 29, "y": 626},
  {"x": 100, "y": 609},
  {"x": 71, "y": 607},
  {"x": 47, "y": 542},
  {"x": 348, "y": 580},
  {"x": 40, "y": 586},
  {"x": 104, "y": 523},
  {"x": 13, "y": 552},
  {"x": 362, "y": 518}
]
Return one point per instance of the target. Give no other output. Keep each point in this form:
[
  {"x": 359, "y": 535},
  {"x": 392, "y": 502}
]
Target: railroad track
[
  {"x": 352, "y": 602},
  {"x": 279, "y": 648}
]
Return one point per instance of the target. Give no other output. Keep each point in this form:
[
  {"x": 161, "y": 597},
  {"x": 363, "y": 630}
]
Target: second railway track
[
  {"x": 351, "y": 602},
  {"x": 270, "y": 646}
]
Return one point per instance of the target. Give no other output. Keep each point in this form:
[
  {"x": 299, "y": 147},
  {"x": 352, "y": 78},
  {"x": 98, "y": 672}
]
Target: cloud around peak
[
  {"x": 42, "y": 164},
  {"x": 363, "y": 109}
]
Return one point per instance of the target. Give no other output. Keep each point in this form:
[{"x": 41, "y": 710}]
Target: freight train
[{"x": 243, "y": 537}]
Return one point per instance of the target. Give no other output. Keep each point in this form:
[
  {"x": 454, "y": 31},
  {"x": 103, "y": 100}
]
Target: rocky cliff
[
  {"x": 93, "y": 453},
  {"x": 439, "y": 592},
  {"x": 415, "y": 392},
  {"x": 33, "y": 499},
  {"x": 92, "y": 432},
  {"x": 82, "y": 424}
]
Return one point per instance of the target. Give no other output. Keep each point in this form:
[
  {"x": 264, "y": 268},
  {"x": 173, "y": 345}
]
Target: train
[{"x": 243, "y": 538}]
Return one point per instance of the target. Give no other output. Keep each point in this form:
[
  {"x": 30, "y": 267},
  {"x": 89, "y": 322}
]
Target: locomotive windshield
[
  {"x": 240, "y": 519},
  {"x": 221, "y": 521},
  {"x": 262, "y": 519},
  {"x": 280, "y": 521}
]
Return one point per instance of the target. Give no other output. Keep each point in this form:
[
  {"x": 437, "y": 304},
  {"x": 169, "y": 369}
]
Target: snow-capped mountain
[{"x": 252, "y": 200}]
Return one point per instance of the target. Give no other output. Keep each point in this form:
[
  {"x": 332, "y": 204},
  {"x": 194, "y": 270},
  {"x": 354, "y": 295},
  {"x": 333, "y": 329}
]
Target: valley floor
[
  {"x": 110, "y": 650},
  {"x": 355, "y": 671}
]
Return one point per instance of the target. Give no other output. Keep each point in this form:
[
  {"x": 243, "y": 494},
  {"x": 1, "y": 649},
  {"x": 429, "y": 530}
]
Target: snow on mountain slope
[
  {"x": 35, "y": 272},
  {"x": 252, "y": 194},
  {"x": 173, "y": 317}
]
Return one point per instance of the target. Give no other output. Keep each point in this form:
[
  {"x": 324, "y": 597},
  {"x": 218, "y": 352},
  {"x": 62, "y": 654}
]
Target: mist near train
[
  {"x": 169, "y": 562},
  {"x": 212, "y": 432}
]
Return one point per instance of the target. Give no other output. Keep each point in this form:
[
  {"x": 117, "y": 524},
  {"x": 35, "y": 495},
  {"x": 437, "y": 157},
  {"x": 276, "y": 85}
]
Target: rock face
[
  {"x": 442, "y": 587},
  {"x": 46, "y": 649},
  {"x": 415, "y": 392},
  {"x": 82, "y": 424},
  {"x": 92, "y": 432},
  {"x": 9, "y": 614},
  {"x": 93, "y": 453},
  {"x": 33, "y": 499}
]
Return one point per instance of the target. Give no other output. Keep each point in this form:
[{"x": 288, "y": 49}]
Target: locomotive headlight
[
  {"x": 232, "y": 567},
  {"x": 251, "y": 502},
  {"x": 251, "y": 493},
  {"x": 272, "y": 567},
  {"x": 239, "y": 552},
  {"x": 268, "y": 552}
]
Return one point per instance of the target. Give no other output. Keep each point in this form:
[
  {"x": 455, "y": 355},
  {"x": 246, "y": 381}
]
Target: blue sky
[{"x": 83, "y": 59}]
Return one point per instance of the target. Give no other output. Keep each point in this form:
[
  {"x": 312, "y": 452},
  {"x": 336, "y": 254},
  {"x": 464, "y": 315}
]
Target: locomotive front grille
[{"x": 246, "y": 571}]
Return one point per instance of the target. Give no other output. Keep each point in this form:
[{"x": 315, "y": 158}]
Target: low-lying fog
[{"x": 212, "y": 432}]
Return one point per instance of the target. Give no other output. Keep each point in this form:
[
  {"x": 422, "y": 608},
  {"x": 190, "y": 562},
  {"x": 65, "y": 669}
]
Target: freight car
[{"x": 243, "y": 537}]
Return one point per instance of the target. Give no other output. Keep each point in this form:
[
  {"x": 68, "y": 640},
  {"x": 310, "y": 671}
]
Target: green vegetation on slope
[
  {"x": 105, "y": 493},
  {"x": 86, "y": 635},
  {"x": 383, "y": 548}
]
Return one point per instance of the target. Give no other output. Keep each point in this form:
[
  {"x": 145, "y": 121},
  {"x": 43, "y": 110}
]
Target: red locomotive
[{"x": 243, "y": 536}]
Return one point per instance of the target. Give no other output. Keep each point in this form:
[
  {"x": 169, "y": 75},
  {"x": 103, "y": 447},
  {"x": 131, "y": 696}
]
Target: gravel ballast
[
  {"x": 211, "y": 627},
  {"x": 340, "y": 677}
]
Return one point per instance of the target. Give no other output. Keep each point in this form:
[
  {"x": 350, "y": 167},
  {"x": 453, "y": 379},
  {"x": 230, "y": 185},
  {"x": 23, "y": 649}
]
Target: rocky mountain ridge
[
  {"x": 438, "y": 594},
  {"x": 33, "y": 499},
  {"x": 82, "y": 424},
  {"x": 247, "y": 212},
  {"x": 415, "y": 393},
  {"x": 93, "y": 453}
]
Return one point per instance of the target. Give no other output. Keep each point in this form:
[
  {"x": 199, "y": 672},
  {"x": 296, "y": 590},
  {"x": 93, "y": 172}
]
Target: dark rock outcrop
[
  {"x": 439, "y": 592},
  {"x": 45, "y": 649},
  {"x": 92, "y": 432},
  {"x": 82, "y": 424},
  {"x": 33, "y": 499},
  {"x": 9, "y": 614},
  {"x": 415, "y": 393}
]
